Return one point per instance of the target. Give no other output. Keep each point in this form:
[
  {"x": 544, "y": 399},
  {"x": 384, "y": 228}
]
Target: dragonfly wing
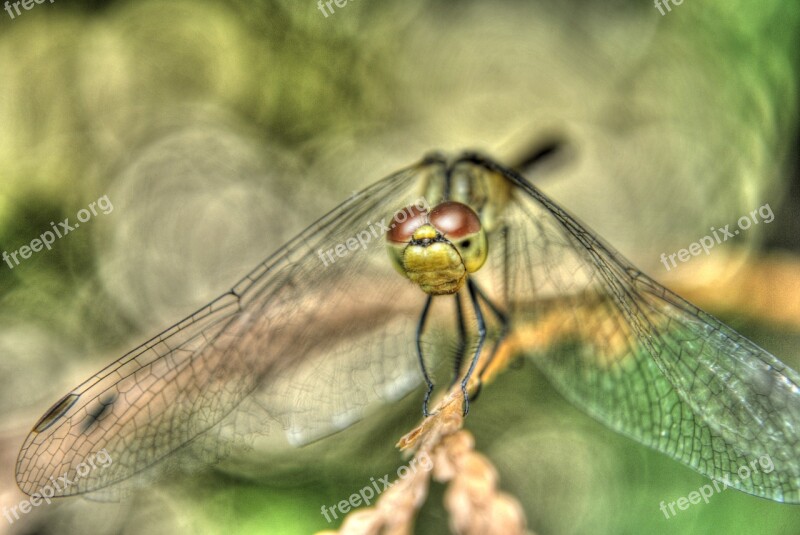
[
  {"x": 317, "y": 340},
  {"x": 644, "y": 361}
]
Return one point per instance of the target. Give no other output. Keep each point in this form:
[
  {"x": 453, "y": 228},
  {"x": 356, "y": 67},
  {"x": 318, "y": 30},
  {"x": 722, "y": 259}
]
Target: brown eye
[
  {"x": 405, "y": 223},
  {"x": 455, "y": 220}
]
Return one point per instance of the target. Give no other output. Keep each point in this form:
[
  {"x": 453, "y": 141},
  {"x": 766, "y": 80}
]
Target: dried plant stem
[{"x": 472, "y": 499}]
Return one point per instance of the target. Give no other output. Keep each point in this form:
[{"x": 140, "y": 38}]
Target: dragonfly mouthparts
[{"x": 428, "y": 241}]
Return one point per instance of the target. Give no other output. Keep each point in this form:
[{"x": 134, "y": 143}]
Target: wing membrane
[
  {"x": 317, "y": 339},
  {"x": 316, "y": 345},
  {"x": 644, "y": 361}
]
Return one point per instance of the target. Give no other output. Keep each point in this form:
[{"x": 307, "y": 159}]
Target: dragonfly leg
[
  {"x": 462, "y": 341},
  {"x": 481, "y": 337},
  {"x": 420, "y": 329},
  {"x": 502, "y": 318}
]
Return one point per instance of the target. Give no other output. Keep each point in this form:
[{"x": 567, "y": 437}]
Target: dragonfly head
[{"x": 437, "y": 249}]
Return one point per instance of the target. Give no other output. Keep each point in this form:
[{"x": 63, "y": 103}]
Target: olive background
[{"x": 220, "y": 129}]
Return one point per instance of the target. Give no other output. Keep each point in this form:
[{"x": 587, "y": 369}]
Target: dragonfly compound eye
[
  {"x": 461, "y": 226},
  {"x": 401, "y": 231},
  {"x": 405, "y": 223}
]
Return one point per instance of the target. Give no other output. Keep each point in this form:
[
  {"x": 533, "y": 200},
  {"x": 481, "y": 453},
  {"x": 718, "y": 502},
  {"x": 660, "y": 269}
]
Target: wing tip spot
[{"x": 59, "y": 409}]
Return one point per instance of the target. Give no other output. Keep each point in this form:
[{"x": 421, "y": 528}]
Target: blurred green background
[{"x": 219, "y": 130}]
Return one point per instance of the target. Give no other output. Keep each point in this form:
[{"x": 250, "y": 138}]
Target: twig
[{"x": 472, "y": 499}]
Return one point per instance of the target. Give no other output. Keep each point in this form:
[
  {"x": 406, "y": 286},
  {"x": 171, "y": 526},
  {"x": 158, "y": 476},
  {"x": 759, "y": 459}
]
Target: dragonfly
[{"x": 451, "y": 256}]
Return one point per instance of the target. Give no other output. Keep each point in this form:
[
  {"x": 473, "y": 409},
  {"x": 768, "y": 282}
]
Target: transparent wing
[
  {"x": 641, "y": 359},
  {"x": 316, "y": 339}
]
